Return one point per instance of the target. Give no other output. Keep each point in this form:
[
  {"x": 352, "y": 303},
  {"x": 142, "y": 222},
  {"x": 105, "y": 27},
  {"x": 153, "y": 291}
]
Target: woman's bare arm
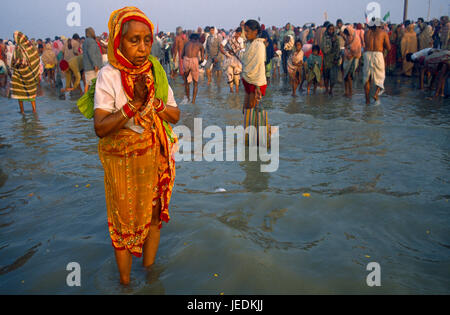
[
  {"x": 106, "y": 123},
  {"x": 171, "y": 114}
]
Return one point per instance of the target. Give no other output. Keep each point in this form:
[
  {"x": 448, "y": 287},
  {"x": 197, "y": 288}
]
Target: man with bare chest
[
  {"x": 376, "y": 40},
  {"x": 180, "y": 41},
  {"x": 190, "y": 57}
]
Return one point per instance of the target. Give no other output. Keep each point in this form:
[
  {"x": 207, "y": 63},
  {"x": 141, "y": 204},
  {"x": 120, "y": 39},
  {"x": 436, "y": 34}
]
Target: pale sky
[{"x": 47, "y": 18}]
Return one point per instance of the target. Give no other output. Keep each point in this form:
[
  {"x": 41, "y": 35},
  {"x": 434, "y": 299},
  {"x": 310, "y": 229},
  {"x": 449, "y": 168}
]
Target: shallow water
[{"x": 378, "y": 179}]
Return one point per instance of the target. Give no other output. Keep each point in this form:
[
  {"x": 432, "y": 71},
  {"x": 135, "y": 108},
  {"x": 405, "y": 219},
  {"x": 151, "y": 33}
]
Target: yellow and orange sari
[{"x": 139, "y": 168}]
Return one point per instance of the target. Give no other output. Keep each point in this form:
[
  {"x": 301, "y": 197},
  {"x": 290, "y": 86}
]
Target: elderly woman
[{"x": 133, "y": 106}]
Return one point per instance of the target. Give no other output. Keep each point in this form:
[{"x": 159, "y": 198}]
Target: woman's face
[
  {"x": 298, "y": 46},
  {"x": 250, "y": 34},
  {"x": 136, "y": 44}
]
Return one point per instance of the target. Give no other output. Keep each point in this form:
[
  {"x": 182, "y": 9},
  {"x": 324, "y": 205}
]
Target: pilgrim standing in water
[
  {"x": 134, "y": 105},
  {"x": 376, "y": 41},
  {"x": 295, "y": 66},
  {"x": 352, "y": 55},
  {"x": 25, "y": 64},
  {"x": 189, "y": 55}
]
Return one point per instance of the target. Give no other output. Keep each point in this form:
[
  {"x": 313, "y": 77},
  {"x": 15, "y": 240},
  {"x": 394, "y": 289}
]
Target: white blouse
[{"x": 110, "y": 95}]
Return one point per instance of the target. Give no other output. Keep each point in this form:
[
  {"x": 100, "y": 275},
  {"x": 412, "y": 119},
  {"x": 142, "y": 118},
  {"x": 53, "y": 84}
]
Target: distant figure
[
  {"x": 50, "y": 62},
  {"x": 352, "y": 54},
  {"x": 59, "y": 86},
  {"x": 180, "y": 41},
  {"x": 444, "y": 33},
  {"x": 189, "y": 55},
  {"x": 360, "y": 34},
  {"x": 214, "y": 60},
  {"x": 253, "y": 65},
  {"x": 418, "y": 59},
  {"x": 426, "y": 36},
  {"x": 2, "y": 50},
  {"x": 295, "y": 66},
  {"x": 276, "y": 60},
  {"x": 287, "y": 44},
  {"x": 72, "y": 68},
  {"x": 92, "y": 58},
  {"x": 437, "y": 62},
  {"x": 72, "y": 47},
  {"x": 3, "y": 74},
  {"x": 332, "y": 54},
  {"x": 232, "y": 48},
  {"x": 313, "y": 69},
  {"x": 376, "y": 40},
  {"x": 25, "y": 64},
  {"x": 408, "y": 45},
  {"x": 269, "y": 53}
]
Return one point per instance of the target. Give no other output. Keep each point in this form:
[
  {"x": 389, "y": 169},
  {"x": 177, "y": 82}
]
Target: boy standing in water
[
  {"x": 313, "y": 68},
  {"x": 189, "y": 55}
]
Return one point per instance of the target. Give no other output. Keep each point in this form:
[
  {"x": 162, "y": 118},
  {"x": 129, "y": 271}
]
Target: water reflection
[{"x": 255, "y": 180}]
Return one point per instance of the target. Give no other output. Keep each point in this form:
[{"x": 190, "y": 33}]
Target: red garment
[
  {"x": 2, "y": 53},
  {"x": 99, "y": 46},
  {"x": 250, "y": 88},
  {"x": 391, "y": 58},
  {"x": 203, "y": 38},
  {"x": 321, "y": 55}
]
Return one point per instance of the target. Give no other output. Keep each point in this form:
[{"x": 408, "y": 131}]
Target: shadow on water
[
  {"x": 255, "y": 180},
  {"x": 19, "y": 262}
]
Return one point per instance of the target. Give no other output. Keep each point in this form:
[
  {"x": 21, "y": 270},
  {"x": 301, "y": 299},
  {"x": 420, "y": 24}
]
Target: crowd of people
[
  {"x": 320, "y": 55},
  {"x": 316, "y": 55}
]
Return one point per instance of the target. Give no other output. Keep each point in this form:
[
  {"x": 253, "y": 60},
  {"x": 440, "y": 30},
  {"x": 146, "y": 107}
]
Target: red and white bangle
[
  {"x": 130, "y": 114},
  {"x": 161, "y": 107}
]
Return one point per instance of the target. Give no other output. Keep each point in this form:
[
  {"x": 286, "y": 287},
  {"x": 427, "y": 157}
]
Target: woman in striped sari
[
  {"x": 133, "y": 105},
  {"x": 25, "y": 64}
]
